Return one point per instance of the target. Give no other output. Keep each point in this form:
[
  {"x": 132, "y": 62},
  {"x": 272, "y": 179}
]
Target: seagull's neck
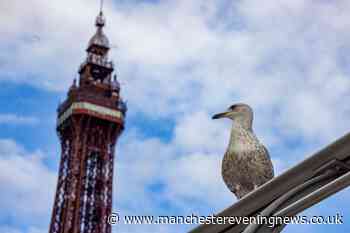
[{"x": 242, "y": 137}]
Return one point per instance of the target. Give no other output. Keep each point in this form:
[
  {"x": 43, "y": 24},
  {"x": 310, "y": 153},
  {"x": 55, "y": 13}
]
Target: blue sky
[{"x": 179, "y": 62}]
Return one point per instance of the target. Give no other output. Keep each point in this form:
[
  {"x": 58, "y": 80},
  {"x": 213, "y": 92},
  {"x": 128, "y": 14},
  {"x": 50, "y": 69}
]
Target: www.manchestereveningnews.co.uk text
[{"x": 272, "y": 221}]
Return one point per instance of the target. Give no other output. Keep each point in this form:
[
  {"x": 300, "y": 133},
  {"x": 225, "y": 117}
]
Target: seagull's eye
[{"x": 233, "y": 107}]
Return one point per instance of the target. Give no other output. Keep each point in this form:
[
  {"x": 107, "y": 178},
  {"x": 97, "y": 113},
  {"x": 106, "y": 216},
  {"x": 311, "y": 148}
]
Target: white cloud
[
  {"x": 17, "y": 120},
  {"x": 29, "y": 184},
  {"x": 196, "y": 131},
  {"x": 157, "y": 178},
  {"x": 197, "y": 177}
]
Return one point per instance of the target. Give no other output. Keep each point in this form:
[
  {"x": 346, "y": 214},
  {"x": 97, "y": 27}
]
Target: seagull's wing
[
  {"x": 258, "y": 165},
  {"x": 226, "y": 173},
  {"x": 267, "y": 163}
]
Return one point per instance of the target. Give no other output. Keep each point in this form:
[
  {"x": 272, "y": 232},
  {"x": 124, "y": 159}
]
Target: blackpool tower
[{"x": 89, "y": 123}]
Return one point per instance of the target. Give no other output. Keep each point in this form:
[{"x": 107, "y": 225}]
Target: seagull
[{"x": 246, "y": 164}]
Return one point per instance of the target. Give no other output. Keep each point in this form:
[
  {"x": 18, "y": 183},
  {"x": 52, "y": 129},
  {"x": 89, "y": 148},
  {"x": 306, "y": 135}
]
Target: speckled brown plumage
[{"x": 246, "y": 164}]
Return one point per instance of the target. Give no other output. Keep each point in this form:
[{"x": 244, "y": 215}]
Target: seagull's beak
[{"x": 221, "y": 115}]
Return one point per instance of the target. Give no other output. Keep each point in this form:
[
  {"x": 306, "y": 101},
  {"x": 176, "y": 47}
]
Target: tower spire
[
  {"x": 99, "y": 39},
  {"x": 97, "y": 60},
  {"x": 100, "y": 20},
  {"x": 101, "y": 5}
]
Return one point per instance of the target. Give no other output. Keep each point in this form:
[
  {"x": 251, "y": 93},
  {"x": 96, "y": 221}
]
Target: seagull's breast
[{"x": 241, "y": 160}]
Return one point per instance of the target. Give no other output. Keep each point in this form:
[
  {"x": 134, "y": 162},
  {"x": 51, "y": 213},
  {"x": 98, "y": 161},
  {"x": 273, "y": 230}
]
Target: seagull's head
[{"x": 239, "y": 113}]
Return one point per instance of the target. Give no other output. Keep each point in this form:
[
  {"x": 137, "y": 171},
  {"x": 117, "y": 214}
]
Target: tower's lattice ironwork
[{"x": 88, "y": 124}]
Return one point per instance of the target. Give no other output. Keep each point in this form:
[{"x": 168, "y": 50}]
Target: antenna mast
[{"x": 101, "y": 5}]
